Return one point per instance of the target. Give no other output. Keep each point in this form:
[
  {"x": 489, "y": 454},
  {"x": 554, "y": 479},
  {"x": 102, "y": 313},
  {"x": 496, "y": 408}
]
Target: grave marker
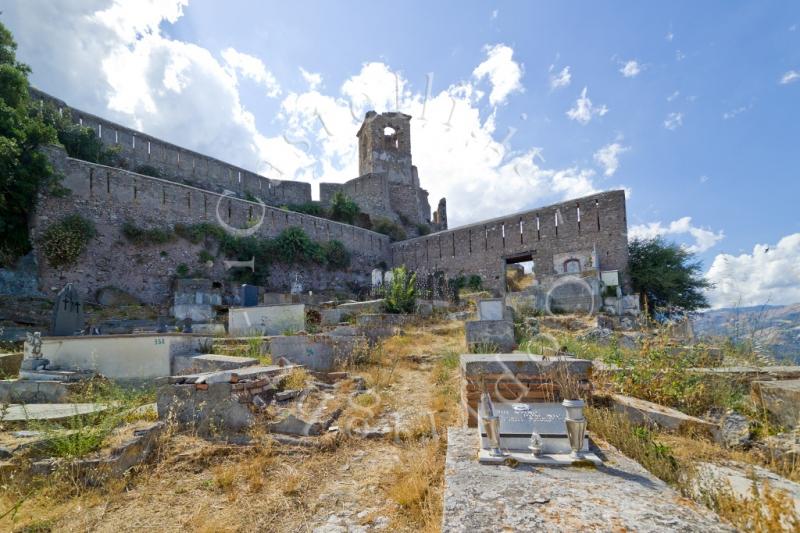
[
  {"x": 67, "y": 313},
  {"x": 249, "y": 295}
]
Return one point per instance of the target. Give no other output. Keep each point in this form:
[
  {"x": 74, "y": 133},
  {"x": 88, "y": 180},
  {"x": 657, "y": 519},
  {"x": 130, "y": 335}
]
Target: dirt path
[{"x": 355, "y": 484}]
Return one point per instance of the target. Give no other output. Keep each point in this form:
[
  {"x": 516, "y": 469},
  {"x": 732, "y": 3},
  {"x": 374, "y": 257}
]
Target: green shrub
[
  {"x": 387, "y": 227},
  {"x": 196, "y": 233},
  {"x": 309, "y": 208},
  {"x": 423, "y": 229},
  {"x": 343, "y": 208},
  {"x": 205, "y": 256},
  {"x": 336, "y": 255},
  {"x": 148, "y": 170},
  {"x": 293, "y": 245},
  {"x": 64, "y": 241},
  {"x": 146, "y": 236},
  {"x": 401, "y": 294},
  {"x": 182, "y": 270},
  {"x": 474, "y": 282}
]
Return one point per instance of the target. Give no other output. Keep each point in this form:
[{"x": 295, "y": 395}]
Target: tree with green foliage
[
  {"x": 343, "y": 208},
  {"x": 401, "y": 294},
  {"x": 666, "y": 275},
  {"x": 23, "y": 168}
]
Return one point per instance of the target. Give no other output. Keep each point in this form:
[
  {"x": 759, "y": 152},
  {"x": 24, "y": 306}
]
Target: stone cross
[{"x": 67, "y": 313}]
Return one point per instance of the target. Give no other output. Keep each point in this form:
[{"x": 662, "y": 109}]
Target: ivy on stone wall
[
  {"x": 146, "y": 236},
  {"x": 64, "y": 241}
]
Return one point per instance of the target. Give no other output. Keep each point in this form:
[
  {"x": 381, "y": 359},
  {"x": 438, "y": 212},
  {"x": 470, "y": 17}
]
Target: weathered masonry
[
  {"x": 571, "y": 238},
  {"x": 109, "y": 197}
]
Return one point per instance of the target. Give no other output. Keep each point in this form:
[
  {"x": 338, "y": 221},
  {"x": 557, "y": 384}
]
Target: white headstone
[{"x": 377, "y": 277}]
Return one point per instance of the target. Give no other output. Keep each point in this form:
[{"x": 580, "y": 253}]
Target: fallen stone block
[
  {"x": 496, "y": 333},
  {"x": 22, "y": 391},
  {"x": 10, "y": 364},
  {"x": 316, "y": 352},
  {"x": 781, "y": 399},
  {"x": 652, "y": 414}
]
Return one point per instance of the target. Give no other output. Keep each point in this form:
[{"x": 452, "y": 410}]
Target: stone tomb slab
[
  {"x": 491, "y": 309},
  {"x": 618, "y": 495},
  {"x": 512, "y": 364},
  {"x": 546, "y": 459},
  {"x": 267, "y": 319},
  {"x": 519, "y": 420},
  {"x": 49, "y": 411}
]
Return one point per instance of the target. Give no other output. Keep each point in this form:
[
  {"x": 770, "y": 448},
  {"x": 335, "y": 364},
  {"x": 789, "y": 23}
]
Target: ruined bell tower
[{"x": 384, "y": 146}]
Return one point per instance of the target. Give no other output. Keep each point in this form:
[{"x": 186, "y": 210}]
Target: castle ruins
[{"x": 582, "y": 240}]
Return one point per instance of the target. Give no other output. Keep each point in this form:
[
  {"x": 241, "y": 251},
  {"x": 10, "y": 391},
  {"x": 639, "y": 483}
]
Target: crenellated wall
[
  {"x": 111, "y": 196},
  {"x": 184, "y": 166},
  {"x": 596, "y": 222}
]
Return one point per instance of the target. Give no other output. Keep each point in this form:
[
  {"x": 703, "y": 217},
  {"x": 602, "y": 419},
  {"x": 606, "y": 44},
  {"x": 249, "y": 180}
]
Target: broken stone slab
[
  {"x": 652, "y": 414},
  {"x": 191, "y": 364},
  {"x": 781, "y": 399},
  {"x": 526, "y": 498},
  {"x": 293, "y": 425},
  {"x": 734, "y": 430},
  {"x": 266, "y": 320},
  {"x": 475, "y": 365},
  {"x": 282, "y": 396},
  {"x": 739, "y": 478},
  {"x": 492, "y": 309},
  {"x": 368, "y": 306},
  {"x": 25, "y": 392},
  {"x": 751, "y": 373},
  {"x": 48, "y": 411},
  {"x": 496, "y": 333},
  {"x": 316, "y": 352},
  {"x": 381, "y": 325},
  {"x": 94, "y": 471}
]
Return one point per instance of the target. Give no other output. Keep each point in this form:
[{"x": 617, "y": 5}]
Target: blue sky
[{"x": 693, "y": 107}]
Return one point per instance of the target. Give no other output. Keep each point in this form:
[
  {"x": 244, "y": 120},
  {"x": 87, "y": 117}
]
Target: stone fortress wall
[
  {"x": 184, "y": 166},
  {"x": 589, "y": 234},
  {"x": 111, "y": 196},
  {"x": 550, "y": 236}
]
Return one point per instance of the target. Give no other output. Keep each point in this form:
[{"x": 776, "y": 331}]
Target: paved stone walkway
[{"x": 619, "y": 496}]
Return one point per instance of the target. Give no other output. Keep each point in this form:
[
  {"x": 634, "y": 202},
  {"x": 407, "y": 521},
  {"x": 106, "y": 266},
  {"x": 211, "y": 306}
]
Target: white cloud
[
  {"x": 495, "y": 12},
  {"x": 790, "y": 77},
  {"x": 560, "y": 79},
  {"x": 727, "y": 115},
  {"x": 608, "y": 157},
  {"x": 679, "y": 56},
  {"x": 583, "y": 111},
  {"x": 631, "y": 69},
  {"x": 703, "y": 178},
  {"x": 771, "y": 274},
  {"x": 503, "y": 72},
  {"x": 673, "y": 96},
  {"x": 313, "y": 79},
  {"x": 127, "y": 71},
  {"x": 253, "y": 69},
  {"x": 457, "y": 151},
  {"x": 704, "y": 239},
  {"x": 669, "y": 36},
  {"x": 673, "y": 121}
]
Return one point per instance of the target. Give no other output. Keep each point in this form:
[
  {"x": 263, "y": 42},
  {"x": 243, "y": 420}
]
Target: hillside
[{"x": 774, "y": 330}]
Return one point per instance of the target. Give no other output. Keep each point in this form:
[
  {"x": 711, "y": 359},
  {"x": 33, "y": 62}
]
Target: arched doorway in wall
[{"x": 572, "y": 266}]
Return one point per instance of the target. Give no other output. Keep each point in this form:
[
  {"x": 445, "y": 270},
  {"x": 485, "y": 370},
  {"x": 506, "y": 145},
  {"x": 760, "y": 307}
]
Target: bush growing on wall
[
  {"x": 148, "y": 170},
  {"x": 293, "y": 245},
  {"x": 387, "y": 227},
  {"x": 145, "y": 236},
  {"x": 64, "y": 241},
  {"x": 343, "y": 208},
  {"x": 401, "y": 294},
  {"x": 336, "y": 255}
]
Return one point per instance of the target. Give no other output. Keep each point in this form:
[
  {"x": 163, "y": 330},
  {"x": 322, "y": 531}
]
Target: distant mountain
[{"x": 773, "y": 329}]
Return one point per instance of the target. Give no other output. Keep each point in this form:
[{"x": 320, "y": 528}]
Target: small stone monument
[
  {"x": 377, "y": 278},
  {"x": 249, "y": 296},
  {"x": 162, "y": 325},
  {"x": 32, "y": 357},
  {"x": 187, "y": 325},
  {"x": 67, "y": 313},
  {"x": 297, "y": 287}
]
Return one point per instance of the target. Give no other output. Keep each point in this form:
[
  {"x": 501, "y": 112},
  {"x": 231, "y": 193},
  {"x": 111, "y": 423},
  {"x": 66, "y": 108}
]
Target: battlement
[{"x": 181, "y": 165}]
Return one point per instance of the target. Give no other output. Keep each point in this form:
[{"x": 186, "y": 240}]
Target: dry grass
[
  {"x": 295, "y": 379},
  {"x": 765, "y": 510},
  {"x": 203, "y": 486}
]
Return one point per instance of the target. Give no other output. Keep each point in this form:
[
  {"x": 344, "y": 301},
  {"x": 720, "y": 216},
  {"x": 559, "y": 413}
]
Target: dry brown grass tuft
[
  {"x": 764, "y": 511},
  {"x": 416, "y": 486}
]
